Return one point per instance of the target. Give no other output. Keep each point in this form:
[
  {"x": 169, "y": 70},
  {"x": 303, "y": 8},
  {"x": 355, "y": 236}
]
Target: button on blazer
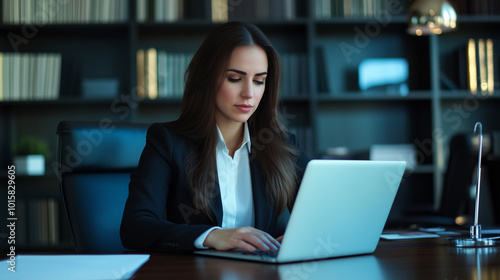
[{"x": 159, "y": 213}]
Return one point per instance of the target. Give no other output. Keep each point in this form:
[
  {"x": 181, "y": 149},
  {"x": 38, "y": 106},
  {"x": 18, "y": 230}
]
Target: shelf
[
  {"x": 161, "y": 101},
  {"x": 477, "y": 19},
  {"x": 178, "y": 101},
  {"x": 186, "y": 27},
  {"x": 67, "y": 26},
  {"x": 295, "y": 99},
  {"x": 393, "y": 20},
  {"x": 369, "y": 27},
  {"x": 57, "y": 103},
  {"x": 424, "y": 169},
  {"x": 461, "y": 94},
  {"x": 361, "y": 96},
  {"x": 415, "y": 95},
  {"x": 202, "y": 23},
  {"x": 91, "y": 29}
]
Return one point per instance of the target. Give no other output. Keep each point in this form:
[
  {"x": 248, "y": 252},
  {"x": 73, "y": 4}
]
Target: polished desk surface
[{"x": 401, "y": 259}]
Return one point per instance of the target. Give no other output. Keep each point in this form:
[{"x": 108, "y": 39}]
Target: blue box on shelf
[
  {"x": 100, "y": 88},
  {"x": 388, "y": 75}
]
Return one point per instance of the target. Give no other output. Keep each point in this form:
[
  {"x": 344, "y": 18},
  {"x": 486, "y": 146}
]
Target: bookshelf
[{"x": 322, "y": 101}]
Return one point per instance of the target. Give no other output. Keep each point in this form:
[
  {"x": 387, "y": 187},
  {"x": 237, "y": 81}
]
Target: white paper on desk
[
  {"x": 408, "y": 235},
  {"x": 74, "y": 267}
]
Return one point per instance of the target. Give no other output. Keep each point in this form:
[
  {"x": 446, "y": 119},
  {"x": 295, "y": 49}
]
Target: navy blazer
[{"x": 159, "y": 213}]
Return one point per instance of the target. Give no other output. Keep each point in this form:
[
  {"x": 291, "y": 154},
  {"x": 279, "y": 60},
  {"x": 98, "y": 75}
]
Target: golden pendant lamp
[{"x": 426, "y": 17}]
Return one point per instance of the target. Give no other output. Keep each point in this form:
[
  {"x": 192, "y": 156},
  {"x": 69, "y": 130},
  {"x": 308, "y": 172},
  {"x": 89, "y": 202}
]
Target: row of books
[
  {"x": 54, "y": 11},
  {"x": 324, "y": 9},
  {"x": 224, "y": 10},
  {"x": 477, "y": 7},
  {"x": 27, "y": 76},
  {"x": 480, "y": 66},
  {"x": 161, "y": 74},
  {"x": 221, "y": 10},
  {"x": 263, "y": 9},
  {"x": 160, "y": 10},
  {"x": 38, "y": 221}
]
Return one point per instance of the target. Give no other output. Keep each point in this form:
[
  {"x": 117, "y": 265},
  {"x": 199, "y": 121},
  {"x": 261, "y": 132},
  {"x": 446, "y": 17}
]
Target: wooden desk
[{"x": 408, "y": 259}]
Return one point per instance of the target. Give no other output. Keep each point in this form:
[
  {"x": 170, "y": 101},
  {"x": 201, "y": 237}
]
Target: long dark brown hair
[{"x": 204, "y": 77}]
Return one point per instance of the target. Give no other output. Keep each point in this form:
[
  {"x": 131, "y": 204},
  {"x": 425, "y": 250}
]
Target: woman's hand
[
  {"x": 246, "y": 238},
  {"x": 280, "y": 239}
]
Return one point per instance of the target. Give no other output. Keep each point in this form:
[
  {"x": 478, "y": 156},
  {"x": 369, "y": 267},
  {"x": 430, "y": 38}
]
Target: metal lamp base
[{"x": 467, "y": 242}]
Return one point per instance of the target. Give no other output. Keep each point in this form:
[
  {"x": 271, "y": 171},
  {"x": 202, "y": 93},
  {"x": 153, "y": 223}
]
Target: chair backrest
[
  {"x": 95, "y": 161},
  {"x": 493, "y": 167},
  {"x": 459, "y": 174}
]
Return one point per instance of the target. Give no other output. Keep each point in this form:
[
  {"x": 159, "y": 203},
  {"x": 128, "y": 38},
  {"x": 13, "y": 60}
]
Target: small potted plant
[{"x": 30, "y": 154}]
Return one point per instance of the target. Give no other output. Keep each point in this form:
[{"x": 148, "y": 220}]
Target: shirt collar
[{"x": 246, "y": 138}]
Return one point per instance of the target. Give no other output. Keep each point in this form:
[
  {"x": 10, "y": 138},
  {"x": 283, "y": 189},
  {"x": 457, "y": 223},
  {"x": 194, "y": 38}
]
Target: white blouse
[{"x": 235, "y": 185}]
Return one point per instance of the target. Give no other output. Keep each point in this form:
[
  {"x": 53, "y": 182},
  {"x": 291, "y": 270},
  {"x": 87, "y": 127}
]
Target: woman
[{"x": 224, "y": 175}]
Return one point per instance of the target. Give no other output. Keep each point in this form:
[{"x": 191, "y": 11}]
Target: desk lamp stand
[{"x": 475, "y": 239}]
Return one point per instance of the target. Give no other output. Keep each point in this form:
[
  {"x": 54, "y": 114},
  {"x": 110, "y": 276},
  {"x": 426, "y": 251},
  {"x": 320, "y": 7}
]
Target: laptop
[{"x": 340, "y": 210}]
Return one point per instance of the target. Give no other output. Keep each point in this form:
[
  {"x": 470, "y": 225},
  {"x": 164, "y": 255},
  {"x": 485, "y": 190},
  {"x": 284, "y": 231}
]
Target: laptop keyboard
[{"x": 262, "y": 253}]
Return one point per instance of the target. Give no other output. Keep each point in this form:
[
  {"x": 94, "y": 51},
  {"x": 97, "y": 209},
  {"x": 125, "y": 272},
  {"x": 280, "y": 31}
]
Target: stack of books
[
  {"x": 27, "y": 76},
  {"x": 75, "y": 11},
  {"x": 480, "y": 69}
]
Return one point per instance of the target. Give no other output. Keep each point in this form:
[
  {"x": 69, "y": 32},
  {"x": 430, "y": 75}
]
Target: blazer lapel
[
  {"x": 262, "y": 207},
  {"x": 216, "y": 203}
]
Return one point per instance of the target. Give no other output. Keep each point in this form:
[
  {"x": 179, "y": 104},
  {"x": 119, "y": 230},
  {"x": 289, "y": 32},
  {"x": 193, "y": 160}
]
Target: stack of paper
[{"x": 69, "y": 267}]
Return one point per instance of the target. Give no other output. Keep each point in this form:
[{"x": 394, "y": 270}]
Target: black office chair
[
  {"x": 492, "y": 164},
  {"x": 95, "y": 161},
  {"x": 455, "y": 198}
]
